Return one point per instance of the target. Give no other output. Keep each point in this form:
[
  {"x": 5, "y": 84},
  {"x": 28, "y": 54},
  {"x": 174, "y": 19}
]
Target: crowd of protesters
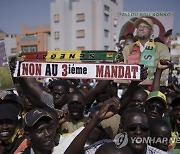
[{"x": 44, "y": 116}]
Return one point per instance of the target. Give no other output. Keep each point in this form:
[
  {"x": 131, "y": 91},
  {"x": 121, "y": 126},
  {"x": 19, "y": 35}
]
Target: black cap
[
  {"x": 34, "y": 115},
  {"x": 15, "y": 100},
  {"x": 8, "y": 111}
]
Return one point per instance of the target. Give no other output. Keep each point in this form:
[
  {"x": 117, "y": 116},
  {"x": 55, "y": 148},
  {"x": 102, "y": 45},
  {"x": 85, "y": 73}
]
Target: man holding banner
[{"x": 145, "y": 51}]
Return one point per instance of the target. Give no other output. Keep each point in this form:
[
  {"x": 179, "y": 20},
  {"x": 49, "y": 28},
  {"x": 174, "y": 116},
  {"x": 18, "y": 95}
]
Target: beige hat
[
  {"x": 111, "y": 125},
  {"x": 144, "y": 19}
]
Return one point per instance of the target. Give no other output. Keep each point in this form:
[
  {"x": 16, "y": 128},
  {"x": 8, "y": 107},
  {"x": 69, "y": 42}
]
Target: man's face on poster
[{"x": 144, "y": 31}]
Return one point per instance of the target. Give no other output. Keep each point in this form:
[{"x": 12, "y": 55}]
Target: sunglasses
[{"x": 133, "y": 127}]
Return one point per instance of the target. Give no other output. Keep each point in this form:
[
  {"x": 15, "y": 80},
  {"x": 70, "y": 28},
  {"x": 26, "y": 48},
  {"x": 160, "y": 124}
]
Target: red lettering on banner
[
  {"x": 134, "y": 70},
  {"x": 107, "y": 72},
  {"x": 25, "y": 69},
  {"x": 113, "y": 71},
  {"x": 99, "y": 71},
  {"x": 121, "y": 72},
  {"x": 38, "y": 69},
  {"x": 110, "y": 71},
  {"x": 128, "y": 73},
  {"x": 31, "y": 69},
  {"x": 64, "y": 72}
]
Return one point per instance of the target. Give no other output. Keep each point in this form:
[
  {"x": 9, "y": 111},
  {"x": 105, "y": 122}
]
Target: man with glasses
[
  {"x": 136, "y": 124},
  {"x": 175, "y": 137},
  {"x": 145, "y": 51}
]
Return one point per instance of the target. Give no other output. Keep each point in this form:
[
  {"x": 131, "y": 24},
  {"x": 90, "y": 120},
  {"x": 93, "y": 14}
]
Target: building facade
[
  {"x": 175, "y": 50},
  {"x": 84, "y": 24},
  {"x": 33, "y": 39},
  {"x": 10, "y": 45}
]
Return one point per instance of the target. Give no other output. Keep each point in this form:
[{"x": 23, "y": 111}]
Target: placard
[{"x": 103, "y": 71}]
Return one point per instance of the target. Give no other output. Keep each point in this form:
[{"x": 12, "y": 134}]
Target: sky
[{"x": 14, "y": 13}]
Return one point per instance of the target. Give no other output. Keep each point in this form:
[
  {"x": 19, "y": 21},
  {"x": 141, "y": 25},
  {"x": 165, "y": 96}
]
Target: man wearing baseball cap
[
  {"x": 41, "y": 126},
  {"x": 145, "y": 51},
  {"x": 155, "y": 104}
]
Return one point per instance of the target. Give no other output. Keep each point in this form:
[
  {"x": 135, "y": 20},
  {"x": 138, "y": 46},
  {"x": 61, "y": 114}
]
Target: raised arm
[
  {"x": 30, "y": 87},
  {"x": 107, "y": 110},
  {"x": 32, "y": 90},
  {"x": 93, "y": 93}
]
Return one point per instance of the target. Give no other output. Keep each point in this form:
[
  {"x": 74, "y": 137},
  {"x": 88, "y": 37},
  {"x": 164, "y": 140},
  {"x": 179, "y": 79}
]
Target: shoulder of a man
[
  {"x": 47, "y": 99},
  {"x": 106, "y": 148},
  {"x": 163, "y": 50},
  {"x": 128, "y": 47},
  {"x": 126, "y": 51}
]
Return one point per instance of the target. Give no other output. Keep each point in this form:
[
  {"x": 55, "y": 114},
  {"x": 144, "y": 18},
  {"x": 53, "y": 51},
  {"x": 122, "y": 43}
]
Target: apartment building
[
  {"x": 84, "y": 24},
  {"x": 10, "y": 45},
  {"x": 33, "y": 39},
  {"x": 175, "y": 50}
]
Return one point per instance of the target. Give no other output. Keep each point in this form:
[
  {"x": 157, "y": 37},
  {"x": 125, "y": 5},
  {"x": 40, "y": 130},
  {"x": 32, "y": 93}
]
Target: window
[
  {"x": 106, "y": 47},
  {"x": 114, "y": 1},
  {"x": 80, "y": 33},
  {"x": 106, "y": 33},
  {"x": 13, "y": 50},
  {"x": 81, "y": 48},
  {"x": 56, "y": 35},
  {"x": 106, "y": 8},
  {"x": 106, "y": 17},
  {"x": 114, "y": 37},
  {"x": 56, "y": 18},
  {"x": 115, "y": 22},
  {"x": 32, "y": 48},
  {"x": 28, "y": 37},
  {"x": 80, "y": 17}
]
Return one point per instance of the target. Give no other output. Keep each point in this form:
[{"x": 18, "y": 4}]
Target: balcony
[{"x": 28, "y": 38}]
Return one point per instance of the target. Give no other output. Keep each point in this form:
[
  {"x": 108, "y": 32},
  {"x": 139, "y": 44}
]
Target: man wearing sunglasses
[
  {"x": 135, "y": 123},
  {"x": 175, "y": 134},
  {"x": 155, "y": 104}
]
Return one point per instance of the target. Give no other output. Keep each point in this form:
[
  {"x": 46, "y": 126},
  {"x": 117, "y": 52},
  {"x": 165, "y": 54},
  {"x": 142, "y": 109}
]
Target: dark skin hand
[
  {"x": 162, "y": 65},
  {"x": 62, "y": 116},
  {"x": 173, "y": 88},
  {"x": 107, "y": 110}
]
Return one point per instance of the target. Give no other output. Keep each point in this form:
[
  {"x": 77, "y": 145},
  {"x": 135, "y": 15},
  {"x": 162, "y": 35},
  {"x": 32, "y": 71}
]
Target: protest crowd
[{"x": 88, "y": 116}]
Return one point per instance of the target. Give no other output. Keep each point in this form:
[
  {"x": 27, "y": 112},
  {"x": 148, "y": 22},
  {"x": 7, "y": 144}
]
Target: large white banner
[{"x": 107, "y": 71}]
